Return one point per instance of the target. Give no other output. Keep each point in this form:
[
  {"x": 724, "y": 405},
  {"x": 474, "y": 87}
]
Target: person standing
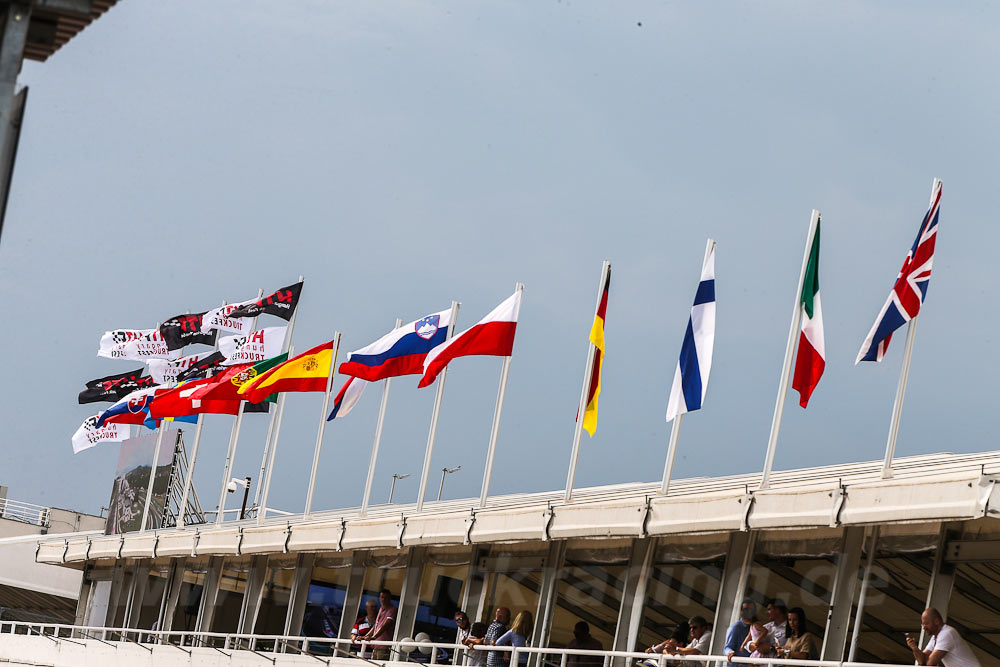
[
  {"x": 361, "y": 627},
  {"x": 946, "y": 647},
  {"x": 583, "y": 640},
  {"x": 800, "y": 643},
  {"x": 497, "y": 628},
  {"x": 739, "y": 630},
  {"x": 778, "y": 625},
  {"x": 385, "y": 622},
  {"x": 518, "y": 635}
]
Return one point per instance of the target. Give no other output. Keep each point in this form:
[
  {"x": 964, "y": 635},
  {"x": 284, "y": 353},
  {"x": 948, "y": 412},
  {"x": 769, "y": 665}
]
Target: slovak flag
[
  {"x": 695, "y": 363},
  {"x": 401, "y": 351},
  {"x": 910, "y": 290},
  {"x": 491, "y": 336},
  {"x": 133, "y": 409},
  {"x": 347, "y": 397}
]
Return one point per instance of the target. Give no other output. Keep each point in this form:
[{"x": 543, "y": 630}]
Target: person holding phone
[{"x": 946, "y": 647}]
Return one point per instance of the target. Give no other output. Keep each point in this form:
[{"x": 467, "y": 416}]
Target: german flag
[
  {"x": 309, "y": 371},
  {"x": 597, "y": 339}
]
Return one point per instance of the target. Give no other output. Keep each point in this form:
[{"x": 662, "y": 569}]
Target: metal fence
[{"x": 24, "y": 512}]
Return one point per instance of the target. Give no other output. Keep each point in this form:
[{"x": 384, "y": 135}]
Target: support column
[
  {"x": 139, "y": 585},
  {"x": 473, "y": 594},
  {"x": 943, "y": 574},
  {"x": 81, "y": 602},
  {"x": 172, "y": 594},
  {"x": 300, "y": 594},
  {"x": 739, "y": 557},
  {"x": 209, "y": 595},
  {"x": 640, "y": 567},
  {"x": 252, "y": 595},
  {"x": 117, "y": 583},
  {"x": 406, "y": 615},
  {"x": 547, "y": 596},
  {"x": 352, "y": 599},
  {"x": 845, "y": 586}
]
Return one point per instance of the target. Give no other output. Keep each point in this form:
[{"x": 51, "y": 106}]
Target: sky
[{"x": 400, "y": 155}]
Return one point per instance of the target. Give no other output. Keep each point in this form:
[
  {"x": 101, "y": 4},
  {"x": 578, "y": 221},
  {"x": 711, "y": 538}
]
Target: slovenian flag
[
  {"x": 491, "y": 336},
  {"x": 402, "y": 351},
  {"x": 811, "y": 358},
  {"x": 695, "y": 363}
]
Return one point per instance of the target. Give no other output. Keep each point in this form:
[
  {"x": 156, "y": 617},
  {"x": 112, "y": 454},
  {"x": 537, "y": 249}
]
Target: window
[
  {"x": 275, "y": 595},
  {"x": 229, "y": 599},
  {"x": 327, "y": 592},
  {"x": 440, "y": 595},
  {"x": 193, "y": 572},
  {"x": 152, "y": 591}
]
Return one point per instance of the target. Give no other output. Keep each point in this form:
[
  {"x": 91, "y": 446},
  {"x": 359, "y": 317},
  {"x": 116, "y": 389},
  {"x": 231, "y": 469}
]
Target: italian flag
[{"x": 811, "y": 359}]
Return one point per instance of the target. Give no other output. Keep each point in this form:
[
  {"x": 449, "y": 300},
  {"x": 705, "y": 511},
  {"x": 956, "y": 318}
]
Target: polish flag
[{"x": 491, "y": 336}]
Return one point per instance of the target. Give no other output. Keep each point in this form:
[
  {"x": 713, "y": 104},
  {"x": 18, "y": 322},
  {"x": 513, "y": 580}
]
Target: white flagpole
[
  {"x": 904, "y": 372},
  {"x": 152, "y": 475},
  {"x": 786, "y": 369},
  {"x": 588, "y": 375},
  {"x": 266, "y": 485},
  {"x": 274, "y": 415},
  {"x": 378, "y": 438},
  {"x": 194, "y": 451},
  {"x": 322, "y": 424},
  {"x": 675, "y": 429},
  {"x": 434, "y": 414},
  {"x": 234, "y": 437},
  {"x": 495, "y": 429}
]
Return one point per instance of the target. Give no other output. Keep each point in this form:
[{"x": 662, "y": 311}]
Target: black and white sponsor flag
[
  {"x": 202, "y": 367},
  {"x": 185, "y": 330},
  {"x": 89, "y": 435},
  {"x": 150, "y": 346},
  {"x": 113, "y": 343},
  {"x": 164, "y": 371},
  {"x": 114, "y": 387},
  {"x": 281, "y": 303},
  {"x": 258, "y": 346},
  {"x": 218, "y": 318}
]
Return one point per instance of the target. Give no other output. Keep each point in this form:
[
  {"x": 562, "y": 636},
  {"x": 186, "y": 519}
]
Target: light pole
[
  {"x": 231, "y": 488},
  {"x": 392, "y": 488},
  {"x": 445, "y": 471}
]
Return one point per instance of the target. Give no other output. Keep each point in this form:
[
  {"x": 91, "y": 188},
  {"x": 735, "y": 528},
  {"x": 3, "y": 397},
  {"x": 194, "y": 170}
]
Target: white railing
[
  {"x": 399, "y": 650},
  {"x": 24, "y": 512}
]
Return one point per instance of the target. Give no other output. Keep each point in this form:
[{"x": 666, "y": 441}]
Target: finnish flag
[{"x": 695, "y": 363}]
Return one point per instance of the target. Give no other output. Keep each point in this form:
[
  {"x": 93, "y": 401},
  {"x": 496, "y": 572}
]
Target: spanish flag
[
  {"x": 597, "y": 339},
  {"x": 309, "y": 371}
]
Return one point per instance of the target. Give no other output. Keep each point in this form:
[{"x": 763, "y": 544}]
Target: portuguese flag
[
  {"x": 811, "y": 359},
  {"x": 226, "y": 385},
  {"x": 309, "y": 371},
  {"x": 597, "y": 339}
]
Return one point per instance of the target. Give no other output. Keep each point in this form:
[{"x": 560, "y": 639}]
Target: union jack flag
[{"x": 910, "y": 290}]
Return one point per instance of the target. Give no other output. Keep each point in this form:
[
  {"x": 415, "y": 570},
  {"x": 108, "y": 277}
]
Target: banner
[
  {"x": 183, "y": 330},
  {"x": 202, "y": 367},
  {"x": 164, "y": 371},
  {"x": 89, "y": 435},
  {"x": 258, "y": 346},
  {"x": 281, "y": 303},
  {"x": 150, "y": 346},
  {"x": 218, "y": 318},
  {"x": 114, "y": 387},
  {"x": 113, "y": 343},
  {"x": 128, "y": 495}
]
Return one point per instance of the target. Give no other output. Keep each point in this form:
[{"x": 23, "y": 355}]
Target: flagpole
[
  {"x": 675, "y": 428},
  {"x": 322, "y": 424},
  {"x": 234, "y": 438},
  {"x": 495, "y": 429},
  {"x": 434, "y": 414},
  {"x": 270, "y": 425},
  {"x": 786, "y": 369},
  {"x": 378, "y": 437},
  {"x": 588, "y": 376},
  {"x": 266, "y": 486},
  {"x": 152, "y": 476}
]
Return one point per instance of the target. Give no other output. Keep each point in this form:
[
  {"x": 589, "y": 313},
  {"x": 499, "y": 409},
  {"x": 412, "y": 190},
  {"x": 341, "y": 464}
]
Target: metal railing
[
  {"x": 36, "y": 515},
  {"x": 270, "y": 646}
]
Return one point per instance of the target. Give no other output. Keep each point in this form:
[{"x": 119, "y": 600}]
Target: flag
[
  {"x": 347, "y": 397},
  {"x": 910, "y": 290},
  {"x": 150, "y": 346},
  {"x": 201, "y": 367},
  {"x": 281, "y": 303},
  {"x": 401, "y": 351},
  {"x": 218, "y": 318},
  {"x": 308, "y": 371},
  {"x": 131, "y": 409},
  {"x": 256, "y": 346},
  {"x": 164, "y": 371},
  {"x": 177, "y": 403},
  {"x": 112, "y": 387},
  {"x": 88, "y": 435},
  {"x": 184, "y": 330},
  {"x": 226, "y": 385},
  {"x": 695, "y": 364},
  {"x": 597, "y": 340},
  {"x": 113, "y": 343},
  {"x": 493, "y": 336},
  {"x": 811, "y": 358}
]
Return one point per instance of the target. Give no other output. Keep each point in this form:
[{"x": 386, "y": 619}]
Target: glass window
[
  {"x": 232, "y": 587},
  {"x": 512, "y": 578},
  {"x": 120, "y": 594},
  {"x": 275, "y": 594},
  {"x": 154, "y": 588},
  {"x": 327, "y": 593},
  {"x": 189, "y": 596},
  {"x": 974, "y": 608},
  {"x": 441, "y": 588}
]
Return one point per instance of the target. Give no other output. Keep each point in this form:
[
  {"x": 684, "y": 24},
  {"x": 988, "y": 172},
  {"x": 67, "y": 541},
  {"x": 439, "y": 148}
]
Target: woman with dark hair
[{"x": 800, "y": 644}]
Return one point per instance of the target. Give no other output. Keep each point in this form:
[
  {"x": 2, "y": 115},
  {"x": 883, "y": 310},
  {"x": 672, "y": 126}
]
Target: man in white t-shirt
[{"x": 946, "y": 647}]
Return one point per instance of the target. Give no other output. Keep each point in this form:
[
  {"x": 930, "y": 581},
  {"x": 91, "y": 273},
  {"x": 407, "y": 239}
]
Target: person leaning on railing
[
  {"x": 518, "y": 635},
  {"x": 800, "y": 644},
  {"x": 701, "y": 639}
]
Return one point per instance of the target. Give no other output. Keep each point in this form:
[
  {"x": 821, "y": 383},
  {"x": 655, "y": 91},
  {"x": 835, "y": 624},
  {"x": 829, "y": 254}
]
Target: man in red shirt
[{"x": 385, "y": 623}]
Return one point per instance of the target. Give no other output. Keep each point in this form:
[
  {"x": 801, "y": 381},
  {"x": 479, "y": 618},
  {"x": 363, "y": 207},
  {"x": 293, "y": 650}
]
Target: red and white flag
[{"x": 491, "y": 336}]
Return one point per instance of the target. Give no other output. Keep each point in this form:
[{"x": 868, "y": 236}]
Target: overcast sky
[{"x": 403, "y": 154}]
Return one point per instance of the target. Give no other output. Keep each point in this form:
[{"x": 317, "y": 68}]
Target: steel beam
[
  {"x": 209, "y": 595},
  {"x": 172, "y": 594},
  {"x": 252, "y": 595},
  {"x": 139, "y": 584},
  {"x": 845, "y": 585},
  {"x": 546, "y": 596},
  {"x": 352, "y": 598},
  {"x": 739, "y": 557},
  {"x": 406, "y": 615},
  {"x": 299, "y": 595},
  {"x": 633, "y": 603}
]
